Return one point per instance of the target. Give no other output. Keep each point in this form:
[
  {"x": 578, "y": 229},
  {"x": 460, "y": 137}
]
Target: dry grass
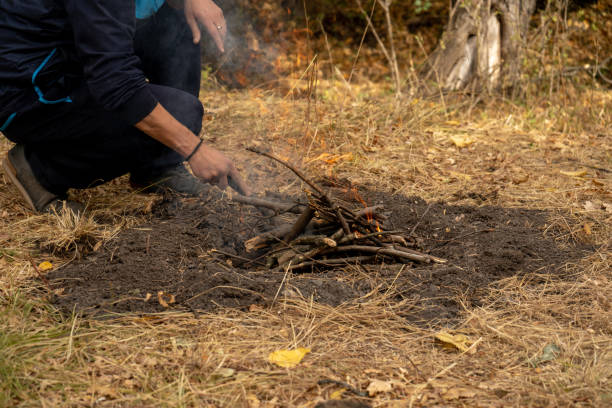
[
  {"x": 514, "y": 157},
  {"x": 171, "y": 359}
]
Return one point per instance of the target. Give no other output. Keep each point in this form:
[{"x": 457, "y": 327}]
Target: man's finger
[
  {"x": 236, "y": 182},
  {"x": 222, "y": 182},
  {"x": 217, "y": 34},
  {"x": 193, "y": 25}
]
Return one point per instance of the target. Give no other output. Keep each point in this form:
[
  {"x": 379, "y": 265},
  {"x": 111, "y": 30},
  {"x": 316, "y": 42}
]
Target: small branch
[
  {"x": 273, "y": 205},
  {"x": 333, "y": 262},
  {"x": 300, "y": 225},
  {"x": 290, "y": 167},
  {"x": 317, "y": 240},
  {"x": 385, "y": 251},
  {"x": 411, "y": 251},
  {"x": 260, "y": 241},
  {"x": 390, "y": 56},
  {"x": 345, "y": 226},
  {"x": 419, "y": 221}
]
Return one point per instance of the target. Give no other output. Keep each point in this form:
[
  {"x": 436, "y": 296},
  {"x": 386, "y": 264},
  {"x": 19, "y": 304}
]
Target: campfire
[{"x": 328, "y": 234}]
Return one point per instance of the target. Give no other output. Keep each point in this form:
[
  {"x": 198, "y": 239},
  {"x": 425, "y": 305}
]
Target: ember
[{"x": 330, "y": 234}]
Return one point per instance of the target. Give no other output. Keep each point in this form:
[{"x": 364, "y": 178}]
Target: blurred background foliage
[{"x": 273, "y": 38}]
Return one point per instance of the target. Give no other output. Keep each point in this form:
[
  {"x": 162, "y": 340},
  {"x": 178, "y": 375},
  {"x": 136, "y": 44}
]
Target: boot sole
[{"x": 10, "y": 171}]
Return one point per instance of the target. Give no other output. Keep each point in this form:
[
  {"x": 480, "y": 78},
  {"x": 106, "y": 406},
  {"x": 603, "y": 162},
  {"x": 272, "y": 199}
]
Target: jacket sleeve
[{"x": 104, "y": 39}]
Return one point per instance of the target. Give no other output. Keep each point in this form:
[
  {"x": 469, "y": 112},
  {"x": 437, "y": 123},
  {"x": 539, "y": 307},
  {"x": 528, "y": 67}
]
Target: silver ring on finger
[{"x": 219, "y": 27}]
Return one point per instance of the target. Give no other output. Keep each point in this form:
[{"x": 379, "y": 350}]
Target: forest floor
[{"x": 516, "y": 195}]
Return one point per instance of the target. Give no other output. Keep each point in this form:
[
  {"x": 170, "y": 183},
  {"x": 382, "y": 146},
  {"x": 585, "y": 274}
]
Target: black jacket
[{"x": 50, "y": 50}]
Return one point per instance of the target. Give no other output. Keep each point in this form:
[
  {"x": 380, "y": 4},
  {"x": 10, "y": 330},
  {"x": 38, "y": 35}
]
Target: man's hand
[
  {"x": 207, "y": 163},
  {"x": 209, "y": 15},
  {"x": 213, "y": 167}
]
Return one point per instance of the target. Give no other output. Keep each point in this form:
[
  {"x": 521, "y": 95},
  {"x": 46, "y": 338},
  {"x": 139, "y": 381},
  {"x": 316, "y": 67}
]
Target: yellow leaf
[
  {"x": 336, "y": 395},
  {"x": 288, "y": 358},
  {"x": 577, "y": 173},
  {"x": 452, "y": 123},
  {"x": 587, "y": 228},
  {"x": 377, "y": 387},
  {"x": 457, "y": 341},
  {"x": 461, "y": 141},
  {"x": 45, "y": 266}
]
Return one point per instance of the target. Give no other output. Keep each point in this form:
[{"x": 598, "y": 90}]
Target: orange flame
[{"x": 369, "y": 215}]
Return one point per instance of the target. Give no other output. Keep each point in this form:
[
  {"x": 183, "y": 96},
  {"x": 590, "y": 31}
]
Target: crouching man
[{"x": 91, "y": 90}]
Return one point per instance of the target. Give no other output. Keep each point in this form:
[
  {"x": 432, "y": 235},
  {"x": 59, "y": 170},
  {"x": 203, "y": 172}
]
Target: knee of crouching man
[{"x": 194, "y": 112}]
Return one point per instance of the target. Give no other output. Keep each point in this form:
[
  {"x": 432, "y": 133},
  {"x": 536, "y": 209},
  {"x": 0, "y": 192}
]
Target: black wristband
[{"x": 194, "y": 150}]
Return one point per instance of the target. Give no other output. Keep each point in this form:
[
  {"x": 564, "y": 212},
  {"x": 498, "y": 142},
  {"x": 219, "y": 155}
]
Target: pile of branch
[{"x": 329, "y": 234}]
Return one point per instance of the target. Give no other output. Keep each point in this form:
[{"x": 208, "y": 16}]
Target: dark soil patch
[{"x": 175, "y": 253}]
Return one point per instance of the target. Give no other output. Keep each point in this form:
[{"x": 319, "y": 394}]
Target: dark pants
[{"x": 80, "y": 145}]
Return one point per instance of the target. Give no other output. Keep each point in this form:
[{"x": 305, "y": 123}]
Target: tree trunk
[{"x": 482, "y": 45}]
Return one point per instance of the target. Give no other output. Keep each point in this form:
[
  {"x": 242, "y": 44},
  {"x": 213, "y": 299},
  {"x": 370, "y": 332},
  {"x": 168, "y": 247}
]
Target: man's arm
[
  {"x": 209, "y": 164},
  {"x": 104, "y": 38}
]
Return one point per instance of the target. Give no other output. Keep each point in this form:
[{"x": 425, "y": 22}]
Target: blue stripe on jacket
[{"x": 146, "y": 8}]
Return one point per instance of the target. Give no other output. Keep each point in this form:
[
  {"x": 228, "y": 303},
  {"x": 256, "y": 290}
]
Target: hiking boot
[
  {"x": 36, "y": 196},
  {"x": 176, "y": 179}
]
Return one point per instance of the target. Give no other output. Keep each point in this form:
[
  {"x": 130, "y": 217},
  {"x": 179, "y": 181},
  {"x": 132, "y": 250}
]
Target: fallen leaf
[
  {"x": 255, "y": 308},
  {"x": 148, "y": 297},
  {"x": 577, "y": 173},
  {"x": 550, "y": 352},
  {"x": 223, "y": 373},
  {"x": 288, "y": 358},
  {"x": 457, "y": 341},
  {"x": 590, "y": 206},
  {"x": 521, "y": 178},
  {"x": 377, "y": 387},
  {"x": 165, "y": 299},
  {"x": 452, "y": 123},
  {"x": 45, "y": 266},
  {"x": 587, "y": 228},
  {"x": 337, "y": 395},
  {"x": 461, "y": 141},
  {"x": 458, "y": 392}
]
